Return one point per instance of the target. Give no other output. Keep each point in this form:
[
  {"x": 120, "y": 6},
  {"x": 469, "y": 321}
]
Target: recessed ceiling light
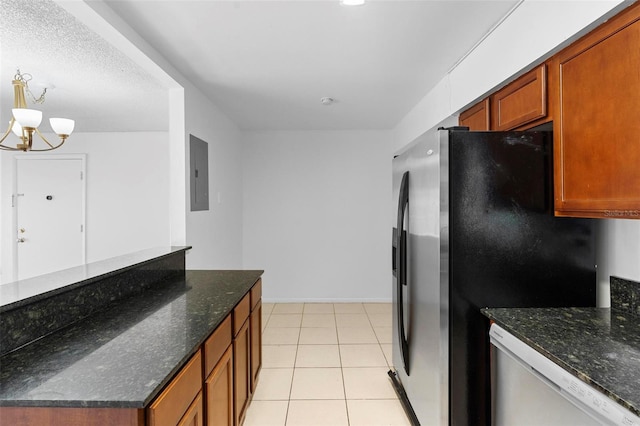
[{"x": 352, "y": 2}]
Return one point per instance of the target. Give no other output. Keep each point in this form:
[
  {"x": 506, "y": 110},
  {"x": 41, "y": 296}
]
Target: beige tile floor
[{"x": 325, "y": 364}]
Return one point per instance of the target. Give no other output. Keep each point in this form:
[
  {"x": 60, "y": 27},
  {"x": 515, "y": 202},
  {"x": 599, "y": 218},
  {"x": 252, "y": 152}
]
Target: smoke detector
[{"x": 327, "y": 100}]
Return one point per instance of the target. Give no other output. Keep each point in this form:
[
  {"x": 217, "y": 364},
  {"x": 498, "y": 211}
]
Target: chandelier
[{"x": 24, "y": 122}]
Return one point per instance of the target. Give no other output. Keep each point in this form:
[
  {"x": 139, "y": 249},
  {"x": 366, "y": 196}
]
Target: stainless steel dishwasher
[{"x": 530, "y": 389}]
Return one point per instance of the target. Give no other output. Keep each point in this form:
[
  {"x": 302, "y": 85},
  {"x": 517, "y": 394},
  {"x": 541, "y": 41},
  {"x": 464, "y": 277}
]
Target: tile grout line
[{"x": 344, "y": 386}]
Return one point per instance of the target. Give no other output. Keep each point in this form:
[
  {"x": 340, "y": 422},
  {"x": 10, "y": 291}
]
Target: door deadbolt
[{"x": 49, "y": 197}]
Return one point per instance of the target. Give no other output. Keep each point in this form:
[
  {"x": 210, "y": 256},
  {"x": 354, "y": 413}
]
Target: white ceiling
[{"x": 265, "y": 63}]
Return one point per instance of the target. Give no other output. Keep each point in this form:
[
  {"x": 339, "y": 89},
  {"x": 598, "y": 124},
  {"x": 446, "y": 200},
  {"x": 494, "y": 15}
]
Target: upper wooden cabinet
[
  {"x": 520, "y": 102},
  {"x": 476, "y": 117},
  {"x": 597, "y": 128}
]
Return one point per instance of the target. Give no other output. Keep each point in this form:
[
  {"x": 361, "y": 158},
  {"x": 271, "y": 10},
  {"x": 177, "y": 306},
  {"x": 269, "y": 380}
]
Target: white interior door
[{"x": 50, "y": 204}]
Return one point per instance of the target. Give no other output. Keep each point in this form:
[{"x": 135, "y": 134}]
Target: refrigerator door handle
[{"x": 401, "y": 267}]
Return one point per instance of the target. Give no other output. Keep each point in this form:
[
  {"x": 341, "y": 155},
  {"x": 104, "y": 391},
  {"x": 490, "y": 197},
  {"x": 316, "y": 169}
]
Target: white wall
[
  {"x": 127, "y": 194},
  {"x": 216, "y": 234},
  {"x": 316, "y": 214}
]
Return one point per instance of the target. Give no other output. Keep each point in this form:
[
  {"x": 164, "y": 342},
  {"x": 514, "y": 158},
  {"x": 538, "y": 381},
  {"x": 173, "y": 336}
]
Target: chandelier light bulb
[
  {"x": 62, "y": 126},
  {"x": 16, "y": 129},
  {"x": 27, "y": 117}
]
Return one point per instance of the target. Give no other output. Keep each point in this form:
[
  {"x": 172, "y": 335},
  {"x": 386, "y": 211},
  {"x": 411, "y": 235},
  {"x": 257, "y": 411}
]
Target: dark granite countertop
[
  {"x": 600, "y": 346},
  {"x": 22, "y": 292},
  {"x": 124, "y": 355}
]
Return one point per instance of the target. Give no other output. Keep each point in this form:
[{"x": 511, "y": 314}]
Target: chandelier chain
[{"x": 25, "y": 78}]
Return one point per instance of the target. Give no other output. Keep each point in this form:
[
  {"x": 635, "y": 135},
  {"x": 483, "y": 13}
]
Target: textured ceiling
[{"x": 95, "y": 84}]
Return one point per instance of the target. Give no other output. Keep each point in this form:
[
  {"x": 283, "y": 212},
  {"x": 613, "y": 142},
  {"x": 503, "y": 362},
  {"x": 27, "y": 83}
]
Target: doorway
[{"x": 49, "y": 202}]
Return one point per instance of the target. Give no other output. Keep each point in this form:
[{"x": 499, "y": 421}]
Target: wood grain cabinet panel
[
  {"x": 217, "y": 344},
  {"x": 241, "y": 313},
  {"x": 597, "y": 133},
  {"x": 256, "y": 293},
  {"x": 219, "y": 392},
  {"x": 476, "y": 117},
  {"x": 62, "y": 416},
  {"x": 168, "y": 408},
  {"x": 255, "y": 322},
  {"x": 241, "y": 372},
  {"x": 193, "y": 416},
  {"x": 520, "y": 102}
]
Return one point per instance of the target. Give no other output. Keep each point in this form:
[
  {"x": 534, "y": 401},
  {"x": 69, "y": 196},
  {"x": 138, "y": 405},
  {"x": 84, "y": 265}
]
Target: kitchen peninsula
[{"x": 151, "y": 357}]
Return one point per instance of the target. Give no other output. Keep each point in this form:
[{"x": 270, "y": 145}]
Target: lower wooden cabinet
[
  {"x": 219, "y": 391},
  {"x": 177, "y": 399},
  {"x": 255, "y": 322},
  {"x": 255, "y": 330},
  {"x": 193, "y": 416},
  {"x": 231, "y": 359},
  {"x": 242, "y": 372},
  {"x": 63, "y": 416}
]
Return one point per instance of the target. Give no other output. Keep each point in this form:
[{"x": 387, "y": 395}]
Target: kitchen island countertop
[
  {"x": 124, "y": 355},
  {"x": 600, "y": 346}
]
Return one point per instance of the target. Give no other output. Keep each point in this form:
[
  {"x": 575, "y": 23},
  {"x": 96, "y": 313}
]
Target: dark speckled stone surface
[
  {"x": 61, "y": 302},
  {"x": 625, "y": 295},
  {"x": 125, "y": 355},
  {"x": 600, "y": 346}
]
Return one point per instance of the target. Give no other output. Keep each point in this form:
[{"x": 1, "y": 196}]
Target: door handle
[
  {"x": 21, "y": 240},
  {"x": 401, "y": 268}
]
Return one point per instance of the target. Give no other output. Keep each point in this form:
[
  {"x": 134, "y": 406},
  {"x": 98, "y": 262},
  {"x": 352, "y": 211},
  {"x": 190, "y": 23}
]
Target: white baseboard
[{"x": 306, "y": 300}]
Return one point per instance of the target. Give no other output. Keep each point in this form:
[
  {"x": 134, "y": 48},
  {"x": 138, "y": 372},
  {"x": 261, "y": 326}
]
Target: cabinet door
[
  {"x": 241, "y": 313},
  {"x": 219, "y": 391},
  {"x": 178, "y": 396},
  {"x": 193, "y": 416},
  {"x": 216, "y": 345},
  {"x": 241, "y": 372},
  {"x": 520, "y": 102},
  {"x": 256, "y": 344},
  {"x": 476, "y": 117},
  {"x": 597, "y": 153}
]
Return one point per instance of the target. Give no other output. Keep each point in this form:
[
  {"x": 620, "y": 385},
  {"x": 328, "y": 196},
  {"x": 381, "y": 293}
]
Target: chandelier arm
[
  {"x": 52, "y": 148},
  {"x": 7, "y": 133},
  {"x": 8, "y": 148},
  {"x": 45, "y": 140}
]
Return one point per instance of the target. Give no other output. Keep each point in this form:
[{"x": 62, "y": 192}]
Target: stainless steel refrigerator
[{"x": 475, "y": 228}]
